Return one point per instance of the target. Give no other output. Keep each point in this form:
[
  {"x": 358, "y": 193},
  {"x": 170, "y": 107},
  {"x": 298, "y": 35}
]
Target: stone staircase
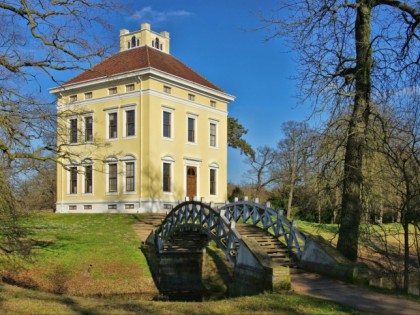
[
  {"x": 147, "y": 224},
  {"x": 276, "y": 250}
]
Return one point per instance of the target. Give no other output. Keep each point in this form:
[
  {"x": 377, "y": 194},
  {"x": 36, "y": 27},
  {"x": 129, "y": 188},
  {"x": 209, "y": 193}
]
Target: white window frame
[
  {"x": 88, "y": 93},
  {"x": 214, "y": 122},
  {"x": 125, "y": 110},
  {"x": 191, "y": 97},
  {"x": 171, "y": 161},
  {"x": 108, "y": 112},
  {"x": 109, "y": 161},
  {"x": 213, "y": 104},
  {"x": 171, "y": 111},
  {"x": 215, "y": 167},
  {"x": 167, "y": 89},
  {"x": 130, "y": 85},
  {"x": 84, "y": 127},
  {"x": 129, "y": 158},
  {"x": 114, "y": 88},
  {"x": 69, "y": 180},
  {"x": 87, "y": 162},
  {"x": 69, "y": 130},
  {"x": 73, "y": 98},
  {"x": 195, "y": 117}
]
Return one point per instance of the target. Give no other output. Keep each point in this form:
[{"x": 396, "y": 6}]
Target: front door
[{"x": 191, "y": 182}]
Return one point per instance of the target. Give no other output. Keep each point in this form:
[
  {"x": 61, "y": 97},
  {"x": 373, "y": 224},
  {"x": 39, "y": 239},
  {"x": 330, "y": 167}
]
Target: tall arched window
[
  {"x": 133, "y": 42},
  {"x": 157, "y": 43}
]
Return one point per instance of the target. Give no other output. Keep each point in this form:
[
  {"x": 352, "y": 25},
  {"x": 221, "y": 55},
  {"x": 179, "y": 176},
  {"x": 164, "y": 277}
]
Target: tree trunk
[
  {"x": 351, "y": 208},
  {"x": 290, "y": 199}
]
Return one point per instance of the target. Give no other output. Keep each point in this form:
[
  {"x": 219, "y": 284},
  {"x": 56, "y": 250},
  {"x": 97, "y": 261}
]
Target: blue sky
[{"x": 218, "y": 40}]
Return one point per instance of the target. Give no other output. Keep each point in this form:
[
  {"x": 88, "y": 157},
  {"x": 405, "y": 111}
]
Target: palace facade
[{"x": 142, "y": 131}]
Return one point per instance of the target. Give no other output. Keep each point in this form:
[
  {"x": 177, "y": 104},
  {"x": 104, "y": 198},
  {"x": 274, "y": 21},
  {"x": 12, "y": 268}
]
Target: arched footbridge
[
  {"x": 224, "y": 226},
  {"x": 257, "y": 240}
]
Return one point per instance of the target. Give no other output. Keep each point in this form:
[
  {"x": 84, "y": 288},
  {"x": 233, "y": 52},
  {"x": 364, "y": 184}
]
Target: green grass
[
  {"x": 15, "y": 300},
  {"x": 94, "y": 254},
  {"x": 94, "y": 262}
]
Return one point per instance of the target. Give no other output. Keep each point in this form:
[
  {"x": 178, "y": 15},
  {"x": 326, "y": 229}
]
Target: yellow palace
[{"x": 143, "y": 131}]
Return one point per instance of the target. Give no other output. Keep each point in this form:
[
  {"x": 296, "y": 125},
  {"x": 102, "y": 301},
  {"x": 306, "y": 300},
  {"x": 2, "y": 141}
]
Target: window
[
  {"x": 133, "y": 41},
  {"x": 88, "y": 179},
  {"x": 212, "y": 182},
  {"x": 87, "y": 207},
  {"x": 167, "y": 124},
  {"x": 129, "y": 205},
  {"x": 112, "y": 125},
  {"x": 112, "y": 178},
  {"x": 129, "y": 177},
  {"x": 130, "y": 123},
  {"x": 72, "y": 207},
  {"x": 112, "y": 91},
  {"x": 73, "y": 98},
  {"x": 167, "y": 89},
  {"x": 88, "y": 129},
  {"x": 213, "y": 141},
  {"x": 167, "y": 177},
  {"x": 73, "y": 130},
  {"x": 129, "y": 87},
  {"x": 112, "y": 207},
  {"x": 88, "y": 95},
  {"x": 73, "y": 180},
  {"x": 191, "y": 97},
  {"x": 212, "y": 103},
  {"x": 191, "y": 129}
]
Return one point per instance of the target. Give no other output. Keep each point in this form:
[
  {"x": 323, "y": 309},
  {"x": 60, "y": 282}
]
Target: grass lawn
[
  {"x": 87, "y": 255},
  {"x": 15, "y": 300},
  {"x": 92, "y": 264}
]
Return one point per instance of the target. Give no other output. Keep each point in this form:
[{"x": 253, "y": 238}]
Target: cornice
[{"x": 152, "y": 73}]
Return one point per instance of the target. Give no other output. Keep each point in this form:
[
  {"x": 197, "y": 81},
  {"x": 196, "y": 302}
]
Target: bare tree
[
  {"x": 261, "y": 175},
  {"x": 39, "y": 40},
  {"x": 400, "y": 145},
  {"x": 350, "y": 53},
  {"x": 293, "y": 158}
]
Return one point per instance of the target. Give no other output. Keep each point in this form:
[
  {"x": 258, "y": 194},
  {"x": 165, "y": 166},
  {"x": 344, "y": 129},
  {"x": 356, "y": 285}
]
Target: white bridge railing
[
  {"x": 267, "y": 219},
  {"x": 219, "y": 225}
]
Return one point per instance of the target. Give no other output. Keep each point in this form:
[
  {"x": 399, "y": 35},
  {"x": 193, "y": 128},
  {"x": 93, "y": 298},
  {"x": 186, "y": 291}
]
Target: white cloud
[{"x": 147, "y": 14}]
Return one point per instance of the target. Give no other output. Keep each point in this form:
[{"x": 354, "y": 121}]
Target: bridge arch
[{"x": 219, "y": 225}]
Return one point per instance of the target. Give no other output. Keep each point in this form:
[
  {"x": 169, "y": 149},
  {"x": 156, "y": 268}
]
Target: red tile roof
[{"x": 141, "y": 58}]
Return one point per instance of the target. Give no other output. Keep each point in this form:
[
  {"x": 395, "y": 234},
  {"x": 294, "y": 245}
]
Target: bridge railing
[
  {"x": 193, "y": 214},
  {"x": 268, "y": 219}
]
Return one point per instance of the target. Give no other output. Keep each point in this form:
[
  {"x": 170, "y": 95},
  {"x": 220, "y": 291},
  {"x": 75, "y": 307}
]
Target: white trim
[
  {"x": 216, "y": 179},
  {"x": 171, "y": 98},
  {"x": 169, "y": 110},
  {"x": 84, "y": 116},
  {"x": 69, "y": 119},
  {"x": 157, "y": 74},
  {"x": 84, "y": 165},
  {"x": 124, "y": 179},
  {"x": 69, "y": 194},
  {"x": 195, "y": 117},
  {"x": 127, "y": 108},
  {"x": 216, "y": 123},
  {"x": 108, "y": 112},
  {"x": 108, "y": 162},
  {"x": 195, "y": 163},
  {"x": 168, "y": 97},
  {"x": 167, "y": 160}
]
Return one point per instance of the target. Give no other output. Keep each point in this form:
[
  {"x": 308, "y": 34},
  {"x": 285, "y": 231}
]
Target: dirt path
[{"x": 357, "y": 297}]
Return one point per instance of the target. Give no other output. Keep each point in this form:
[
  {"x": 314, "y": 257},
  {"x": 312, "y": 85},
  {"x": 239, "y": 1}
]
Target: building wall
[{"x": 148, "y": 146}]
